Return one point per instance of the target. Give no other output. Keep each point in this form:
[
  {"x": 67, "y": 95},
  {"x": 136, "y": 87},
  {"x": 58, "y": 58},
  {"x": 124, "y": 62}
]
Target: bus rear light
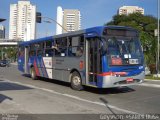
[{"x": 81, "y": 64}]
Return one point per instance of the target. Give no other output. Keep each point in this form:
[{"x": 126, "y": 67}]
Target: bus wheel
[
  {"x": 33, "y": 74},
  {"x": 76, "y": 82}
]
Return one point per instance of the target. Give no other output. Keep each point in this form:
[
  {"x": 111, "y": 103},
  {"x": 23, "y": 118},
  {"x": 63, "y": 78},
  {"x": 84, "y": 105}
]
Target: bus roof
[
  {"x": 26, "y": 43},
  {"x": 89, "y": 32},
  {"x": 99, "y": 30}
]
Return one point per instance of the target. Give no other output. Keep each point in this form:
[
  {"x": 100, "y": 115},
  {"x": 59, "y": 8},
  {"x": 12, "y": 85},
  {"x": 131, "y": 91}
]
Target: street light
[
  {"x": 53, "y": 21},
  {"x": 47, "y": 21}
]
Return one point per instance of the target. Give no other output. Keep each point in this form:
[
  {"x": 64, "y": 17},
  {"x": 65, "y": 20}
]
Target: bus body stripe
[
  {"x": 39, "y": 67},
  {"x": 35, "y": 67},
  {"x": 43, "y": 68}
]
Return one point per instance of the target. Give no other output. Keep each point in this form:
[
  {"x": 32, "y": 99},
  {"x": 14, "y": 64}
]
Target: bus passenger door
[
  {"x": 26, "y": 57},
  {"x": 93, "y": 63}
]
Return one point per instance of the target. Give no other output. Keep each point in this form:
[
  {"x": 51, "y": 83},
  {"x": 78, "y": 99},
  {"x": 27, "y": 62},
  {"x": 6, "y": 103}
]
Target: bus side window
[
  {"x": 49, "y": 44},
  {"x": 40, "y": 48},
  {"x": 76, "y": 46},
  {"x": 32, "y": 53},
  {"x": 79, "y": 51},
  {"x": 49, "y": 52},
  {"x": 21, "y": 51},
  {"x": 39, "y": 53},
  {"x": 60, "y": 47}
]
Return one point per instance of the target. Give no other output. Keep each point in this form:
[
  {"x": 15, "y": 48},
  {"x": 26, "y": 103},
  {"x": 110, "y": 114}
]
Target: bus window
[
  {"x": 39, "y": 48},
  {"x": 32, "y": 47},
  {"x": 49, "y": 44},
  {"x": 21, "y": 51},
  {"x": 39, "y": 53},
  {"x": 49, "y": 52},
  {"x": 32, "y": 53},
  {"x": 76, "y": 46},
  {"x": 61, "y": 47},
  {"x": 79, "y": 51}
]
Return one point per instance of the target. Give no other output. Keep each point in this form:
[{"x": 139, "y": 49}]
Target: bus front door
[
  {"x": 26, "y": 53},
  {"x": 93, "y": 60}
]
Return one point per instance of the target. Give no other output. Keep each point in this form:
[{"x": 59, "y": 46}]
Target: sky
[{"x": 93, "y": 12}]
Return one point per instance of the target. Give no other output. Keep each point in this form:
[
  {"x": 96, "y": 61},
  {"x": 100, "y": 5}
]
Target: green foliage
[
  {"x": 8, "y": 53},
  {"x": 146, "y": 25}
]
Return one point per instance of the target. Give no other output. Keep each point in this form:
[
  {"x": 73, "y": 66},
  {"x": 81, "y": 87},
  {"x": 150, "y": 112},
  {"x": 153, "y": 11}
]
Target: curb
[
  {"x": 151, "y": 80},
  {"x": 149, "y": 85},
  {"x": 14, "y": 63}
]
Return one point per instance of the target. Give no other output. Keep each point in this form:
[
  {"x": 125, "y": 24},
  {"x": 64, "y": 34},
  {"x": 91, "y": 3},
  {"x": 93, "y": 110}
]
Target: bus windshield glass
[{"x": 123, "y": 50}]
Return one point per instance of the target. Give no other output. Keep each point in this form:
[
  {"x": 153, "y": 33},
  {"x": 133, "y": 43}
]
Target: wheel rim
[{"x": 76, "y": 80}]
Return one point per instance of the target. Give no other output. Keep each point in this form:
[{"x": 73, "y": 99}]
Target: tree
[
  {"x": 8, "y": 53},
  {"x": 146, "y": 25}
]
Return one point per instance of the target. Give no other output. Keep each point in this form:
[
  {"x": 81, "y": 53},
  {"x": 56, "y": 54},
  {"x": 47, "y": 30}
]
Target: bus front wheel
[
  {"x": 76, "y": 82},
  {"x": 33, "y": 74}
]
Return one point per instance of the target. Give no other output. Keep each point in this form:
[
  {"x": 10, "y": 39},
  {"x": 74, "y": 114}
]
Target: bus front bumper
[{"x": 113, "y": 81}]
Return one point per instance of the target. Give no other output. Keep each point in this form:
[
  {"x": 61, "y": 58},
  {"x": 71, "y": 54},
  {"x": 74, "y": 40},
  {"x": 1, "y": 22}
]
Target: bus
[{"x": 101, "y": 57}]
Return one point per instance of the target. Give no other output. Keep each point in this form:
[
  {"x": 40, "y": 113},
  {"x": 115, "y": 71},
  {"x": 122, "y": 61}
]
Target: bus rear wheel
[
  {"x": 76, "y": 81},
  {"x": 33, "y": 74}
]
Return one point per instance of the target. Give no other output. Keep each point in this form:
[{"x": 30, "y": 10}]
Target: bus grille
[{"x": 126, "y": 82}]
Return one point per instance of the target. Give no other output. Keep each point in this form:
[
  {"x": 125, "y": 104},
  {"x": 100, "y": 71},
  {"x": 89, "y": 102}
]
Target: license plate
[{"x": 129, "y": 79}]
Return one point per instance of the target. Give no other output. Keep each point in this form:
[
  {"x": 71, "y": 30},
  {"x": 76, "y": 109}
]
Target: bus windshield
[{"x": 123, "y": 51}]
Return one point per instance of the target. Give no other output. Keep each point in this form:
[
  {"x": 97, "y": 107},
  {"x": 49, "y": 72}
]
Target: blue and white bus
[{"x": 102, "y": 57}]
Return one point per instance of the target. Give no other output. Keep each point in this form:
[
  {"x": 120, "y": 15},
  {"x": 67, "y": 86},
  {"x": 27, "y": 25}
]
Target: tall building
[
  {"x": 59, "y": 24},
  {"x": 70, "y": 19},
  {"x": 22, "y": 21},
  {"x": 2, "y": 32},
  {"x": 125, "y": 10}
]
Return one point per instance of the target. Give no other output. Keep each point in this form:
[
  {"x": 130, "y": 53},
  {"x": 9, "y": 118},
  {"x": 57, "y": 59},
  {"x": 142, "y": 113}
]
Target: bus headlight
[{"x": 140, "y": 67}]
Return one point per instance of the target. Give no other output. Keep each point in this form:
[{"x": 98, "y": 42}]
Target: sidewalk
[
  {"x": 151, "y": 83},
  {"x": 15, "y": 63}
]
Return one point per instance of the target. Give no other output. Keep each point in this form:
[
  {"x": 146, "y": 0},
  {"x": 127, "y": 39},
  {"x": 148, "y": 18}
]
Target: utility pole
[{"x": 158, "y": 62}]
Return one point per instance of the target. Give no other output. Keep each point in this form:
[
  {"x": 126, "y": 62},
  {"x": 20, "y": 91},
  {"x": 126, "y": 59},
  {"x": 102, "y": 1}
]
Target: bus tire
[
  {"x": 76, "y": 81},
  {"x": 33, "y": 74}
]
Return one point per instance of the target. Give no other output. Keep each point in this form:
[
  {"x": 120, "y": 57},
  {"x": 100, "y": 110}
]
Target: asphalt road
[{"x": 20, "y": 94}]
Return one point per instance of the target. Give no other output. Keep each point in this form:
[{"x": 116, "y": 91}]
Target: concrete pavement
[{"x": 20, "y": 94}]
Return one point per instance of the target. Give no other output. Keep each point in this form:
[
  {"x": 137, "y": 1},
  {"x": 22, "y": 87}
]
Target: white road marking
[
  {"x": 74, "y": 97},
  {"x": 149, "y": 85}
]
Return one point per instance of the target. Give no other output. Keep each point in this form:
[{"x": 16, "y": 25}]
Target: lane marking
[{"x": 74, "y": 97}]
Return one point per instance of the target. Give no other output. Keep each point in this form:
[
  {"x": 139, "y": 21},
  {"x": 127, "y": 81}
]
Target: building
[
  {"x": 70, "y": 19},
  {"x": 22, "y": 21},
  {"x": 2, "y": 32},
  {"x": 125, "y": 10}
]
